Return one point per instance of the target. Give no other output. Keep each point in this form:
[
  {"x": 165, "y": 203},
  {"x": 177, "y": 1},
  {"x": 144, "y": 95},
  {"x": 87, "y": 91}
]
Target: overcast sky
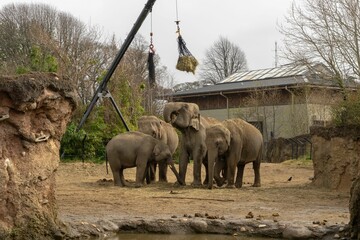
[{"x": 251, "y": 24}]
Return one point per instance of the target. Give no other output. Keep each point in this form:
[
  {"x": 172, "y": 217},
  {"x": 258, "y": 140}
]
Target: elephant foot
[
  {"x": 138, "y": 185},
  {"x": 163, "y": 180},
  {"x": 256, "y": 185},
  {"x": 238, "y": 185},
  {"x": 230, "y": 186},
  {"x": 196, "y": 184},
  {"x": 220, "y": 182},
  {"x": 177, "y": 184},
  {"x": 119, "y": 184}
]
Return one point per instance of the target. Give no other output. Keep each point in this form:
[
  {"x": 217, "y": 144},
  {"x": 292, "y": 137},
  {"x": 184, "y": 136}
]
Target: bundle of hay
[
  {"x": 186, "y": 61},
  {"x": 187, "y": 64}
]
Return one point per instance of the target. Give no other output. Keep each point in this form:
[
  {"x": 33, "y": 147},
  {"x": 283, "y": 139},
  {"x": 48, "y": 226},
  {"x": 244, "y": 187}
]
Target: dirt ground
[{"x": 86, "y": 193}]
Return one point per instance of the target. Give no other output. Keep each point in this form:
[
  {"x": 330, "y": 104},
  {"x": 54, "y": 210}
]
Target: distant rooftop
[
  {"x": 286, "y": 75},
  {"x": 278, "y": 72}
]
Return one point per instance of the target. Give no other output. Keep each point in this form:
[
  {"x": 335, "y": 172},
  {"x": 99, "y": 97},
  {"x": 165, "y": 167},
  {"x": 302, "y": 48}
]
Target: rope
[
  {"x": 186, "y": 61},
  {"x": 177, "y": 13}
]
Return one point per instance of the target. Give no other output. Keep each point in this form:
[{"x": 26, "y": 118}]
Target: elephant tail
[{"x": 106, "y": 163}]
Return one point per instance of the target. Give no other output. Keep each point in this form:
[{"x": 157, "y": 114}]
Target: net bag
[{"x": 186, "y": 61}]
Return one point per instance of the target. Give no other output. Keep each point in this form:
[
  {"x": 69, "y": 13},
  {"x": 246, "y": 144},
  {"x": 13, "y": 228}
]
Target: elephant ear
[
  {"x": 195, "y": 122},
  {"x": 156, "y": 151},
  {"x": 227, "y": 136}
]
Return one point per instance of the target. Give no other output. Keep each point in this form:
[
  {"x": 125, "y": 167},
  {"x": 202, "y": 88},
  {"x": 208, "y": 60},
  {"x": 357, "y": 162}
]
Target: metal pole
[{"x": 147, "y": 8}]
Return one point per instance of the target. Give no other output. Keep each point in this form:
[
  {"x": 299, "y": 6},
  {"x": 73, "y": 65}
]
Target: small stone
[
  {"x": 173, "y": 216},
  {"x": 235, "y": 234},
  {"x": 199, "y": 215},
  {"x": 242, "y": 229},
  {"x": 275, "y": 220},
  {"x": 262, "y": 225},
  {"x": 249, "y": 215},
  {"x": 341, "y": 229},
  {"x": 336, "y": 236},
  {"x": 222, "y": 218},
  {"x": 275, "y": 214}
]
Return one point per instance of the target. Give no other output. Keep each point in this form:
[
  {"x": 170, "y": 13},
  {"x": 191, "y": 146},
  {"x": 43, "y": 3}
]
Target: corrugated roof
[
  {"x": 279, "y": 72},
  {"x": 242, "y": 85},
  {"x": 287, "y": 75}
]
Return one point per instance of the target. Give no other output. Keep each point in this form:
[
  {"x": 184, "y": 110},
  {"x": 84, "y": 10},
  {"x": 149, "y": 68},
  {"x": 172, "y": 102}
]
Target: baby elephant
[{"x": 135, "y": 149}]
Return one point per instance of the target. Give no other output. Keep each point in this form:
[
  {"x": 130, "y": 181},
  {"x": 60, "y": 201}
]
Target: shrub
[{"x": 347, "y": 113}]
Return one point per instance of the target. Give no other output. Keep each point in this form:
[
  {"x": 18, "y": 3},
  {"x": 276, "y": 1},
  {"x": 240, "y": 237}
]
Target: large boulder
[
  {"x": 354, "y": 208},
  {"x": 336, "y": 156},
  {"x": 34, "y": 112}
]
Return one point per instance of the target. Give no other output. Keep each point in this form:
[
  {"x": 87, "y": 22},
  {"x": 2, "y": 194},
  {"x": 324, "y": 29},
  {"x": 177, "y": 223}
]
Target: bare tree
[
  {"x": 79, "y": 54},
  {"x": 222, "y": 59},
  {"x": 327, "y": 31}
]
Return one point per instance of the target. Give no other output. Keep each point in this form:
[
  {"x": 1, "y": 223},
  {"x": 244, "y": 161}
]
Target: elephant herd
[{"x": 221, "y": 146}]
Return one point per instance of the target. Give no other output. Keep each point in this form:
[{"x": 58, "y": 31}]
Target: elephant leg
[
  {"x": 163, "y": 171},
  {"x": 240, "y": 175},
  {"x": 140, "y": 173},
  {"x": 183, "y": 163},
  {"x": 152, "y": 171},
  {"x": 117, "y": 177},
  {"x": 206, "y": 181},
  {"x": 122, "y": 179},
  {"x": 231, "y": 169},
  {"x": 197, "y": 170},
  {"x": 256, "y": 167},
  {"x": 148, "y": 174}
]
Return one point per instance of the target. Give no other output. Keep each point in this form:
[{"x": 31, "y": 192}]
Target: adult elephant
[
  {"x": 186, "y": 118},
  {"x": 163, "y": 131},
  {"x": 135, "y": 149},
  {"x": 235, "y": 143}
]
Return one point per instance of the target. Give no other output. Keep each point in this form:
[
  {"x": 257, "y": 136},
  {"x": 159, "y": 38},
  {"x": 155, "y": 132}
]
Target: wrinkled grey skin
[
  {"x": 235, "y": 143},
  {"x": 186, "y": 118},
  {"x": 134, "y": 149},
  {"x": 164, "y": 132}
]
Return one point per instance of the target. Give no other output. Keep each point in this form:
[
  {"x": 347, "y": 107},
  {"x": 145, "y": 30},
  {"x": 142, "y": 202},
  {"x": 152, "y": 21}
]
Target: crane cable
[{"x": 186, "y": 61}]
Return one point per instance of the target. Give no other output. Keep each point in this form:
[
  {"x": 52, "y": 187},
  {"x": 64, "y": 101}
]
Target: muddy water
[{"x": 180, "y": 237}]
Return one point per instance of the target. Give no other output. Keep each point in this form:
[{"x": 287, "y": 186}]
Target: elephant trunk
[
  {"x": 169, "y": 109},
  {"x": 173, "y": 169},
  {"x": 219, "y": 166},
  {"x": 212, "y": 156}
]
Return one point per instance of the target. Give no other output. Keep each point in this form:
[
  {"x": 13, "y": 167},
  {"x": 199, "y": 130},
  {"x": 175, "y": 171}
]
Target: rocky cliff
[
  {"x": 335, "y": 156},
  {"x": 34, "y": 112}
]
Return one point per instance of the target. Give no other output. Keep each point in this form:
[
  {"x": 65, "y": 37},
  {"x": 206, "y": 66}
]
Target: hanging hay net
[
  {"x": 186, "y": 61},
  {"x": 151, "y": 66}
]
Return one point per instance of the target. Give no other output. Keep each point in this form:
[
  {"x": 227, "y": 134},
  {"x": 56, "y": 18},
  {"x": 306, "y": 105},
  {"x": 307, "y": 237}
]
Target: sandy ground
[{"x": 86, "y": 193}]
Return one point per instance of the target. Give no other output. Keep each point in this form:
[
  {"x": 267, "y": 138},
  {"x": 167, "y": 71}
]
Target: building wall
[
  {"x": 279, "y": 113},
  {"x": 276, "y": 121}
]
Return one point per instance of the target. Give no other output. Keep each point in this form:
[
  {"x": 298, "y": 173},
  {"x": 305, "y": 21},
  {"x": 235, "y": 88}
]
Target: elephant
[
  {"x": 233, "y": 142},
  {"x": 163, "y": 131},
  {"x": 186, "y": 118},
  {"x": 135, "y": 149}
]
